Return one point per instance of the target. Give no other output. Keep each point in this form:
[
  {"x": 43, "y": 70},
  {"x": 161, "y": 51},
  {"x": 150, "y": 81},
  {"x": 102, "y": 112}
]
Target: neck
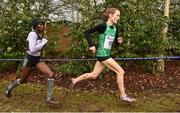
[
  {"x": 37, "y": 31},
  {"x": 110, "y": 22}
]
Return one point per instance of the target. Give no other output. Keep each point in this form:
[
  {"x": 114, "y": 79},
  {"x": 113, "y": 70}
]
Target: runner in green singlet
[{"x": 108, "y": 33}]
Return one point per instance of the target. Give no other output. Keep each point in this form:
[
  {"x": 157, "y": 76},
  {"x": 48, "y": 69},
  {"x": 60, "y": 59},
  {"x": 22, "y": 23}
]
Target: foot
[
  {"x": 52, "y": 101},
  {"x": 128, "y": 99},
  {"x": 7, "y": 92},
  {"x": 72, "y": 83}
]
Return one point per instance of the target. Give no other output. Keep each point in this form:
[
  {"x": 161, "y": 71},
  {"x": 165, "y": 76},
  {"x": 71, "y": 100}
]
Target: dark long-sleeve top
[{"x": 100, "y": 28}]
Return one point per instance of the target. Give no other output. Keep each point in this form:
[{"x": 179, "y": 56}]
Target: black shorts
[
  {"x": 30, "y": 61},
  {"x": 101, "y": 59}
]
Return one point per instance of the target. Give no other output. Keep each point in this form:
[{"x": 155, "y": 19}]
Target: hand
[
  {"x": 45, "y": 40},
  {"x": 93, "y": 49},
  {"x": 119, "y": 39}
]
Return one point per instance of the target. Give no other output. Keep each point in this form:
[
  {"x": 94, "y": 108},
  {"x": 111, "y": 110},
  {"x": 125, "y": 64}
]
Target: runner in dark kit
[{"x": 35, "y": 43}]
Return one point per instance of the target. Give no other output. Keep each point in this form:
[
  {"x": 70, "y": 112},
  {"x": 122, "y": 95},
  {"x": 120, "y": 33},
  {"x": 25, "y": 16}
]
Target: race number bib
[{"x": 108, "y": 42}]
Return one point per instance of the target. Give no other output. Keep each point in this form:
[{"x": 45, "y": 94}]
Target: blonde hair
[{"x": 108, "y": 11}]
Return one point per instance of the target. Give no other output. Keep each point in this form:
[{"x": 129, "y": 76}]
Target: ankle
[
  {"x": 123, "y": 95},
  {"x": 73, "y": 80}
]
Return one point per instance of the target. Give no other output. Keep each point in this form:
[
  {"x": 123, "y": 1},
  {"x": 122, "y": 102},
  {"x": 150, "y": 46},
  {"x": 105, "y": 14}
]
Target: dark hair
[
  {"x": 37, "y": 21},
  {"x": 108, "y": 11}
]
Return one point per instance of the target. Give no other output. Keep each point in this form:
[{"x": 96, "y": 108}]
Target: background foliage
[{"x": 140, "y": 25}]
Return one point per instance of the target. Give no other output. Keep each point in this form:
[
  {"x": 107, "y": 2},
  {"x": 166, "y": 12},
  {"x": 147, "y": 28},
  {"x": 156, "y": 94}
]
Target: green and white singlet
[
  {"x": 107, "y": 35},
  {"x": 106, "y": 40}
]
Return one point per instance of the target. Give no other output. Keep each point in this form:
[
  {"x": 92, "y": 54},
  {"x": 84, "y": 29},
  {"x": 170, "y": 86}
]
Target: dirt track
[{"x": 136, "y": 79}]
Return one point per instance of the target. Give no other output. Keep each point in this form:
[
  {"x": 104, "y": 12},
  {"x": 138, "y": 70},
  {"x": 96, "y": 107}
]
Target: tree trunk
[
  {"x": 160, "y": 63},
  {"x": 46, "y": 8}
]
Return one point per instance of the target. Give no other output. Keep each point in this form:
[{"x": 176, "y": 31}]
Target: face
[
  {"x": 40, "y": 27},
  {"x": 114, "y": 18}
]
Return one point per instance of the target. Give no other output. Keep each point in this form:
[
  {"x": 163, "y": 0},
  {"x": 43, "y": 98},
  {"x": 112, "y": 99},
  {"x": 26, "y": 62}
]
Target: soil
[{"x": 136, "y": 79}]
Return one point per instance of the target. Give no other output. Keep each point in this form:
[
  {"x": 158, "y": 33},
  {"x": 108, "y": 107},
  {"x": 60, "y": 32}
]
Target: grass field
[{"x": 31, "y": 98}]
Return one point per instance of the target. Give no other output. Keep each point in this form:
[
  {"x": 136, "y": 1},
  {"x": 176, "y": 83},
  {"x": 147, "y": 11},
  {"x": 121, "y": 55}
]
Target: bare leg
[
  {"x": 43, "y": 67},
  {"x": 94, "y": 74},
  {"x": 25, "y": 73},
  {"x": 114, "y": 66}
]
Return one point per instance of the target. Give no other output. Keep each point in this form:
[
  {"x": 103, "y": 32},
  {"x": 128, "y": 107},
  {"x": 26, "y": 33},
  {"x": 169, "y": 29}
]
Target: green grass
[{"x": 31, "y": 98}]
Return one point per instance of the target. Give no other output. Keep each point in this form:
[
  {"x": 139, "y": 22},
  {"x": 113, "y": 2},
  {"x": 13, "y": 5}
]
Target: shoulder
[
  {"x": 103, "y": 25},
  {"x": 32, "y": 34}
]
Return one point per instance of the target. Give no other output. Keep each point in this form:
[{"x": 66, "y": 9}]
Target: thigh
[
  {"x": 44, "y": 68},
  {"x": 113, "y": 65},
  {"x": 25, "y": 71},
  {"x": 98, "y": 68}
]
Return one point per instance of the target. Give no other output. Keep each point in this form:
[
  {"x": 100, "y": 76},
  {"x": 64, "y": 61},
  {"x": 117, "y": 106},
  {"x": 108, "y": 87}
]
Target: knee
[
  {"x": 121, "y": 72},
  {"x": 51, "y": 74},
  {"x": 94, "y": 75}
]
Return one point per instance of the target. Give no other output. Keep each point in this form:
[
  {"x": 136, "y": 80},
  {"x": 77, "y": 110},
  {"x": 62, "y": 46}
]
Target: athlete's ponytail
[{"x": 108, "y": 11}]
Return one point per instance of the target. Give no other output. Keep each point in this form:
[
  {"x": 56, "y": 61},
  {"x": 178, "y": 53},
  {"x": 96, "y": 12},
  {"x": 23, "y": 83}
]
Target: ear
[{"x": 110, "y": 14}]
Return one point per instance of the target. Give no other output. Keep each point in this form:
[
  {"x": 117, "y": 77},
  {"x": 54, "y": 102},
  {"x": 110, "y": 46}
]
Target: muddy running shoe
[
  {"x": 7, "y": 92},
  {"x": 52, "y": 101},
  {"x": 127, "y": 99}
]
